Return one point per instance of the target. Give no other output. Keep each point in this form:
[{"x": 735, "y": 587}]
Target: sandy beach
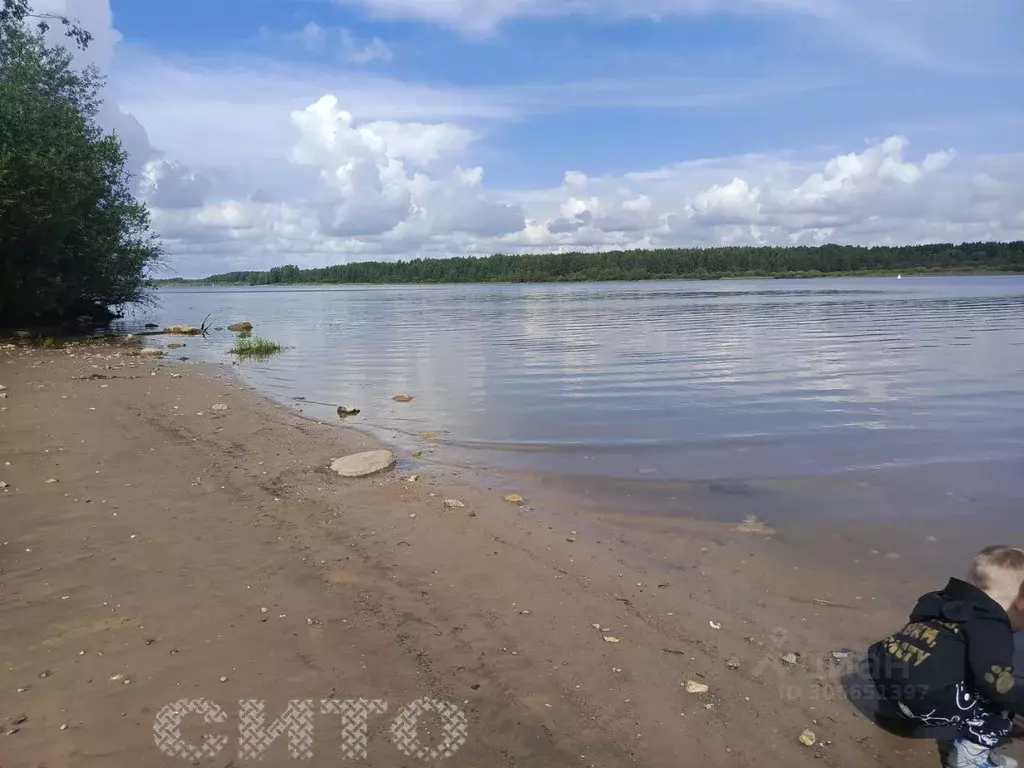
[{"x": 155, "y": 550}]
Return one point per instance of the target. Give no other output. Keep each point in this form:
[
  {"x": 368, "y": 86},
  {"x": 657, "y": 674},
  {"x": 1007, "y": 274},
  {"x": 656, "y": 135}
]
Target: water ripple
[{"x": 669, "y": 381}]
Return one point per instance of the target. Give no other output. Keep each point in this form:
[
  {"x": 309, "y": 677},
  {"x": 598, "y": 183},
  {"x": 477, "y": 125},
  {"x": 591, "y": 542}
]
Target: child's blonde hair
[{"x": 998, "y": 571}]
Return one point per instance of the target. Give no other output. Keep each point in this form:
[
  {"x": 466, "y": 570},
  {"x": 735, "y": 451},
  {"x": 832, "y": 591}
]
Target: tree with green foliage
[{"x": 74, "y": 242}]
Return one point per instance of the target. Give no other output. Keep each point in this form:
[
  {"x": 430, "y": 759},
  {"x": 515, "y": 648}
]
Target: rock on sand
[
  {"x": 364, "y": 464},
  {"x": 151, "y": 352}
]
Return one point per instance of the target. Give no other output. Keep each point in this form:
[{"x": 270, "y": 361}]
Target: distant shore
[
  {"x": 203, "y": 282},
  {"x": 204, "y": 552},
  {"x": 711, "y": 263}
]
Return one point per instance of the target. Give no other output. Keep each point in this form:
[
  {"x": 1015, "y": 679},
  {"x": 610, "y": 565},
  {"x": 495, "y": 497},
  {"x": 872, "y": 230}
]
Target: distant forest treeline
[{"x": 798, "y": 261}]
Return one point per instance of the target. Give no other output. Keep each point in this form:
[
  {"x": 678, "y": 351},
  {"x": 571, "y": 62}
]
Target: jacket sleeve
[{"x": 990, "y": 654}]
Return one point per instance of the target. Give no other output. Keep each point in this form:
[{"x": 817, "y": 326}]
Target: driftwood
[{"x": 180, "y": 330}]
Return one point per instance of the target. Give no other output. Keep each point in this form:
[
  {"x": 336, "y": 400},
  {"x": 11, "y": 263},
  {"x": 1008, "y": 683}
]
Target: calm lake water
[{"x": 651, "y": 390}]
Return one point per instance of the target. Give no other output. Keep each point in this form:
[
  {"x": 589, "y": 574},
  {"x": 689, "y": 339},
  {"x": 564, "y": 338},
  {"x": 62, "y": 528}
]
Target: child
[{"x": 952, "y": 664}]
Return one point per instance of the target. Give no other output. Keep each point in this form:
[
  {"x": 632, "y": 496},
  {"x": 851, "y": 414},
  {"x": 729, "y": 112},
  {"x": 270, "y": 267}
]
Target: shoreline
[
  {"x": 202, "y": 283},
  {"x": 172, "y": 527}
]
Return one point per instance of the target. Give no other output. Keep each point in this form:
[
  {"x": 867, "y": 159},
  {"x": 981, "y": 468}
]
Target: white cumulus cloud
[
  {"x": 167, "y": 184},
  {"x": 160, "y": 181},
  {"x": 735, "y": 201},
  {"x": 374, "y": 177}
]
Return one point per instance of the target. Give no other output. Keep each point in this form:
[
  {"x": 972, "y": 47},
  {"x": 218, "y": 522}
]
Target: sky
[{"x": 269, "y": 132}]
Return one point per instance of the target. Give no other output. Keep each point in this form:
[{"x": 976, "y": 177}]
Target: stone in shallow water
[{"x": 364, "y": 464}]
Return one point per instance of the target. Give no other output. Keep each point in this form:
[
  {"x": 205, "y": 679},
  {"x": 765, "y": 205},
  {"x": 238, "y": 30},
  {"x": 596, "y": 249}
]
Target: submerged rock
[
  {"x": 244, "y": 326},
  {"x": 175, "y": 345},
  {"x": 403, "y": 398},
  {"x": 182, "y": 330},
  {"x": 344, "y": 410},
  {"x": 751, "y": 524},
  {"x": 364, "y": 464}
]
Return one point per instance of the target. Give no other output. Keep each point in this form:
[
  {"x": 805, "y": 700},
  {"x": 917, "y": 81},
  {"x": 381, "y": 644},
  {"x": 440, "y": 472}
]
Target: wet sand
[{"x": 192, "y": 553}]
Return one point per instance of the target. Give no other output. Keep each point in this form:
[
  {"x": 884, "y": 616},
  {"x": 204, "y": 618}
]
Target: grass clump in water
[{"x": 254, "y": 346}]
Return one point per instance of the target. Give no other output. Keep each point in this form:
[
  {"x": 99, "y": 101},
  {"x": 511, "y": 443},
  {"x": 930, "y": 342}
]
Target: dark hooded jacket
[{"x": 958, "y": 635}]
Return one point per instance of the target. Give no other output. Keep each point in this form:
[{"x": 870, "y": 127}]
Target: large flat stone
[{"x": 364, "y": 464}]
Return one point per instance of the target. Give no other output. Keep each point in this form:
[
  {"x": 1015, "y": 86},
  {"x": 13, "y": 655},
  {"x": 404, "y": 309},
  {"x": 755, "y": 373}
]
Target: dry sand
[{"x": 191, "y": 553}]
